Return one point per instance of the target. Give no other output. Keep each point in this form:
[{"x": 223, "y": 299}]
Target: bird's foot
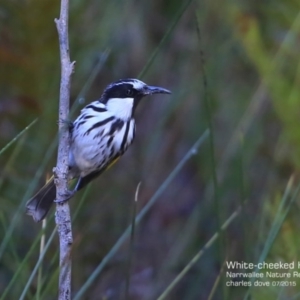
[
  {"x": 68, "y": 123},
  {"x": 65, "y": 196}
]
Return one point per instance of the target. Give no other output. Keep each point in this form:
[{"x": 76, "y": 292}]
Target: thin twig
[
  {"x": 63, "y": 217},
  {"x": 40, "y": 271},
  {"x": 131, "y": 247},
  {"x": 35, "y": 269}
]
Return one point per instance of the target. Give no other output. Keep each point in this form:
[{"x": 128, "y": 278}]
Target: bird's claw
[
  {"x": 65, "y": 196},
  {"x": 68, "y": 123}
]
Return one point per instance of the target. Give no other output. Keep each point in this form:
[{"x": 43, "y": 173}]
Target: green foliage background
[{"x": 248, "y": 51}]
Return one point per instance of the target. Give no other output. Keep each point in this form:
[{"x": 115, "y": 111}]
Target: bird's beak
[{"x": 149, "y": 90}]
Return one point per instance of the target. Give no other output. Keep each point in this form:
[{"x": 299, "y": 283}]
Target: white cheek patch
[{"x": 120, "y": 107}]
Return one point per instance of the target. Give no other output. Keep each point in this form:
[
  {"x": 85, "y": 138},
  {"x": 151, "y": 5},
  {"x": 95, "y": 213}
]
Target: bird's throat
[{"x": 121, "y": 108}]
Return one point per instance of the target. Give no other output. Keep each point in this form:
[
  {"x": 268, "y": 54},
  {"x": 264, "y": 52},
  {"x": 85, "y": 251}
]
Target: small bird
[{"x": 98, "y": 137}]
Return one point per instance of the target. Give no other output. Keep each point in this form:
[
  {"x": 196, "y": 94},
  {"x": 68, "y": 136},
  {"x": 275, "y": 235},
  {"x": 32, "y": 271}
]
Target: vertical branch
[{"x": 63, "y": 217}]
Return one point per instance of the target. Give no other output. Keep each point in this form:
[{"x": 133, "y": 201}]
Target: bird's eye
[{"x": 129, "y": 92}]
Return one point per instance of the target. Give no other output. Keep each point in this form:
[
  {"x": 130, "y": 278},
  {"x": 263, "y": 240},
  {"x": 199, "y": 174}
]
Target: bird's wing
[{"x": 83, "y": 181}]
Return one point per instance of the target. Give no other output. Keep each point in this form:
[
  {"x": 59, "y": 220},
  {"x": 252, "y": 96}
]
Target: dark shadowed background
[{"x": 248, "y": 52}]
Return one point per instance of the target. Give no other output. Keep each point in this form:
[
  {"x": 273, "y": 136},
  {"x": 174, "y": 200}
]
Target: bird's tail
[{"x": 39, "y": 205}]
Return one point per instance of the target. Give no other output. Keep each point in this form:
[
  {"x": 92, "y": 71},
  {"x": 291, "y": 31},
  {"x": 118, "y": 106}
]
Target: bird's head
[{"x": 122, "y": 97}]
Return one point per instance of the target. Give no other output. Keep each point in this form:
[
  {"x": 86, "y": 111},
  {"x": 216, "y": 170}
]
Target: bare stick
[
  {"x": 131, "y": 249},
  {"x": 63, "y": 217}
]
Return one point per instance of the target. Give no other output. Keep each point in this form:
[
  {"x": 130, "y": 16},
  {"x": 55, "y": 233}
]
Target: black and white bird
[{"x": 99, "y": 136}]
